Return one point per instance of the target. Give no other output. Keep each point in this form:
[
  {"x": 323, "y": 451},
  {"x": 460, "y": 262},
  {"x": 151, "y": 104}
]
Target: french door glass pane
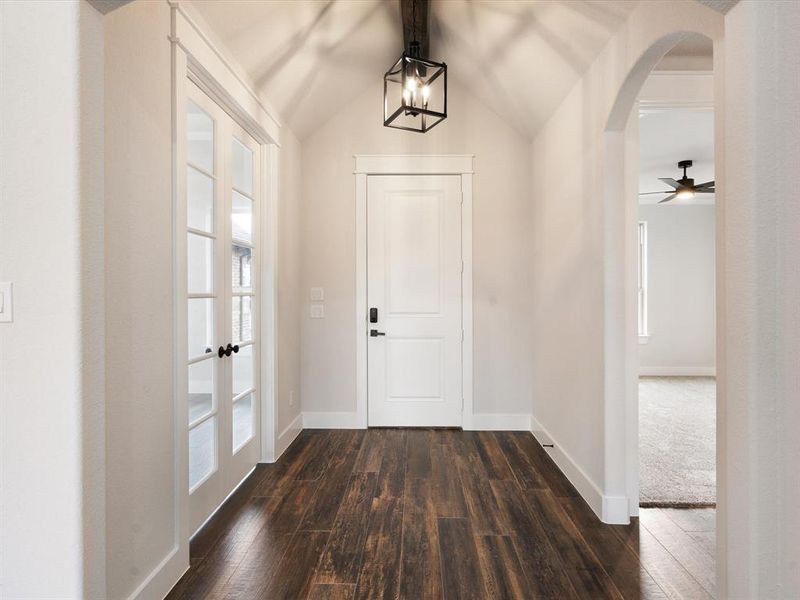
[
  {"x": 242, "y": 318},
  {"x": 200, "y": 138},
  {"x": 242, "y": 421},
  {"x": 201, "y": 389},
  {"x": 201, "y": 326},
  {"x": 241, "y": 268},
  {"x": 202, "y": 451},
  {"x": 242, "y": 217},
  {"x": 242, "y": 167},
  {"x": 200, "y": 264},
  {"x": 200, "y": 200},
  {"x": 243, "y": 370}
]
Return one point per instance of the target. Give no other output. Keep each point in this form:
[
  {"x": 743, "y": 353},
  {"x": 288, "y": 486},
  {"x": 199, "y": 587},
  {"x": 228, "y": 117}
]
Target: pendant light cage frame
[{"x": 413, "y": 112}]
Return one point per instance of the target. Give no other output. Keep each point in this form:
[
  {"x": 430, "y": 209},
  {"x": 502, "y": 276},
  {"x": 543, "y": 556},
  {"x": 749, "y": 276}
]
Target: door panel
[
  {"x": 222, "y": 191},
  {"x": 414, "y": 282}
]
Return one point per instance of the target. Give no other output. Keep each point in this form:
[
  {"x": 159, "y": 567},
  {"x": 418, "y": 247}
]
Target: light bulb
[
  {"x": 411, "y": 83},
  {"x": 685, "y": 195},
  {"x": 426, "y": 93}
]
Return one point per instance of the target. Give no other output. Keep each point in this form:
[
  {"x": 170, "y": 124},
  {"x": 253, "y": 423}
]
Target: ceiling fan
[{"x": 685, "y": 189}]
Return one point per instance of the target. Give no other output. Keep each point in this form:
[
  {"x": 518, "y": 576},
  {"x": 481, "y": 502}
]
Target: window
[{"x": 642, "y": 283}]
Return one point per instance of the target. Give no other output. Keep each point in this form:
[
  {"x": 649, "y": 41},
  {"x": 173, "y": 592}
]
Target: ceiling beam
[{"x": 407, "y": 10}]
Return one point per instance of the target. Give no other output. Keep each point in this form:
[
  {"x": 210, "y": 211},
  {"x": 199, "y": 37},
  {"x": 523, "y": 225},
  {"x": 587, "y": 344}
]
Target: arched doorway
[{"x": 620, "y": 204}]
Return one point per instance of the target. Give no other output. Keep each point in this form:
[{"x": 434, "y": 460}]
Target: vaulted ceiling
[{"x": 310, "y": 57}]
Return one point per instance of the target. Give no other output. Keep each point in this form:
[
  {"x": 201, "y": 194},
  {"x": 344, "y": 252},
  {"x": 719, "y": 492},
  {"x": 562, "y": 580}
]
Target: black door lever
[{"x": 375, "y": 333}]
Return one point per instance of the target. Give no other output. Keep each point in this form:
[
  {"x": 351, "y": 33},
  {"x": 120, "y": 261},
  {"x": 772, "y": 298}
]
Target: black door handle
[
  {"x": 227, "y": 351},
  {"x": 375, "y": 333},
  {"x": 373, "y": 315}
]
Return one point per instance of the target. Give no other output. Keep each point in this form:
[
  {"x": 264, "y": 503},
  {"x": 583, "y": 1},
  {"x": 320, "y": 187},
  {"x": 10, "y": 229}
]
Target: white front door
[
  {"x": 414, "y": 270},
  {"x": 221, "y": 216}
]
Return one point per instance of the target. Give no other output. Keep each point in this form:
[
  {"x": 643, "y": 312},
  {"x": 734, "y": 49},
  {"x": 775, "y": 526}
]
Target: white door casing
[{"x": 414, "y": 284}]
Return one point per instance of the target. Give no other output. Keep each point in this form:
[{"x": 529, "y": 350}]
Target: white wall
[
  {"x": 759, "y": 437},
  {"x": 52, "y": 510},
  {"x": 681, "y": 290},
  {"x": 502, "y": 234},
  {"x": 290, "y": 299},
  {"x": 139, "y": 299}
]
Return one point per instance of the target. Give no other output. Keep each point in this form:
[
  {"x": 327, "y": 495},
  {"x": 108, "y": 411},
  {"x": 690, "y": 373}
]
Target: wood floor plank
[
  {"x": 618, "y": 560},
  {"x": 667, "y": 572},
  {"x": 380, "y": 564},
  {"x": 544, "y": 465},
  {"x": 520, "y": 464},
  {"x": 503, "y": 574},
  {"x": 301, "y": 451},
  {"x": 421, "y": 577},
  {"x": 391, "y": 475},
  {"x": 447, "y": 491},
  {"x": 326, "y": 591},
  {"x": 371, "y": 454},
  {"x": 461, "y": 568},
  {"x": 585, "y": 571},
  {"x": 484, "y": 514},
  {"x": 543, "y": 567},
  {"x": 682, "y": 546},
  {"x": 492, "y": 456},
  {"x": 341, "y": 561},
  {"x": 707, "y": 540},
  {"x": 294, "y": 573},
  {"x": 693, "y": 519},
  {"x": 324, "y": 444},
  {"x": 259, "y": 565},
  {"x": 229, "y": 514},
  {"x": 419, "y": 453},
  {"x": 321, "y": 511}
]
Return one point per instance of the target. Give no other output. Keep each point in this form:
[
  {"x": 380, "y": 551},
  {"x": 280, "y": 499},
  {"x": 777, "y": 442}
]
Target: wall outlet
[
  {"x": 317, "y": 294},
  {"x": 317, "y": 311}
]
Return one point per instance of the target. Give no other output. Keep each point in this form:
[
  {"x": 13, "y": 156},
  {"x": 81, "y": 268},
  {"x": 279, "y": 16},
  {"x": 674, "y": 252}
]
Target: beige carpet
[{"x": 677, "y": 441}]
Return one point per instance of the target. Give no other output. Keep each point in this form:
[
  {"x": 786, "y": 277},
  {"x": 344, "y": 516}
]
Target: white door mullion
[{"x": 226, "y": 301}]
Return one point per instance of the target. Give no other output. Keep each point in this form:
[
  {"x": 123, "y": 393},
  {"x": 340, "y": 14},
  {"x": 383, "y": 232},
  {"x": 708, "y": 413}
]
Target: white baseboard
[
  {"x": 677, "y": 372},
  {"x": 288, "y": 435},
  {"x": 331, "y": 420},
  {"x": 164, "y": 577},
  {"x": 609, "y": 509},
  {"x": 497, "y": 422}
]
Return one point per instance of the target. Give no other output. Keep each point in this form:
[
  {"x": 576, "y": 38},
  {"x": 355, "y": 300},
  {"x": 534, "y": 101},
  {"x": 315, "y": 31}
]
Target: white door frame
[{"x": 404, "y": 164}]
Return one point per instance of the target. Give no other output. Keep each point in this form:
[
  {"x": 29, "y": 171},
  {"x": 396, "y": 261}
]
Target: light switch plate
[
  {"x": 317, "y": 311},
  {"x": 317, "y": 294},
  {"x": 6, "y": 302}
]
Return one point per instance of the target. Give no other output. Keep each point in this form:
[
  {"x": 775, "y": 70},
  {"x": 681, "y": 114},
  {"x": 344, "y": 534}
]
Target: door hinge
[
  {"x": 462, "y": 267},
  {"x": 462, "y": 335}
]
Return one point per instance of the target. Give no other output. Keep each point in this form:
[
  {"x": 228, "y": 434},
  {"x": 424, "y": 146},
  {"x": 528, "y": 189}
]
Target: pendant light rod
[{"x": 415, "y": 24}]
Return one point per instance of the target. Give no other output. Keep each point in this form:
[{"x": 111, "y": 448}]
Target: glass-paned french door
[{"x": 223, "y": 184}]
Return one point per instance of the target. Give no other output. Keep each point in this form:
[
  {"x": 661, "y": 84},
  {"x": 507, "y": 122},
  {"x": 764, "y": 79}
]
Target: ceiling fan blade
[
  {"x": 705, "y": 191},
  {"x": 705, "y": 185},
  {"x": 648, "y": 193},
  {"x": 668, "y": 198},
  {"x": 671, "y": 182}
]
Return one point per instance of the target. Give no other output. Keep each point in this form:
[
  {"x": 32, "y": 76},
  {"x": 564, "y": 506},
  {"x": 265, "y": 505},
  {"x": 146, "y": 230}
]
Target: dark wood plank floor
[{"x": 419, "y": 514}]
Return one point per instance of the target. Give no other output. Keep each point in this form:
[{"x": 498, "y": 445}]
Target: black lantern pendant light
[{"x": 415, "y": 88}]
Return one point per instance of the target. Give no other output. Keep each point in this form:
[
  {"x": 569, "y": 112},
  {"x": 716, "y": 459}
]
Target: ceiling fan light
[{"x": 685, "y": 195}]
